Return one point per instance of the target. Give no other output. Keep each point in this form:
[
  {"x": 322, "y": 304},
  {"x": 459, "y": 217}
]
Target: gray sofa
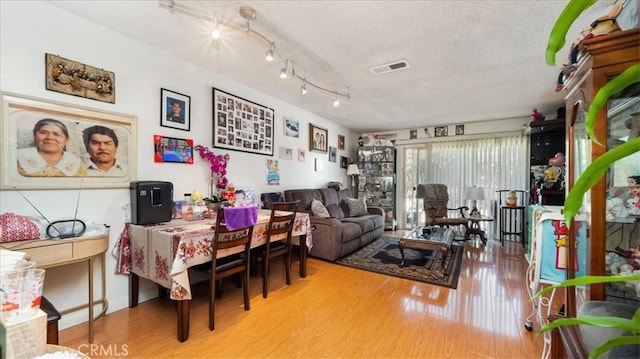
[{"x": 340, "y": 234}]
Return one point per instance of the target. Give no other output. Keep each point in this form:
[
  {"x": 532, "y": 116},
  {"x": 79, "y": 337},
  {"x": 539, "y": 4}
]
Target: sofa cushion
[
  {"x": 366, "y": 224},
  {"x": 304, "y": 198},
  {"x": 329, "y": 196},
  {"x": 335, "y": 211},
  {"x": 319, "y": 210},
  {"x": 357, "y": 207}
]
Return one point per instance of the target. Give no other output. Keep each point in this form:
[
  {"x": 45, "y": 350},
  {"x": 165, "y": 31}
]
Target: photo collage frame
[{"x": 242, "y": 125}]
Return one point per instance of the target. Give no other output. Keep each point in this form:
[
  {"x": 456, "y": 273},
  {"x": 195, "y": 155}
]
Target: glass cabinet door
[{"x": 622, "y": 214}]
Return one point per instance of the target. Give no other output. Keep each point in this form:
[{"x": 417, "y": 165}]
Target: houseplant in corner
[{"x": 592, "y": 174}]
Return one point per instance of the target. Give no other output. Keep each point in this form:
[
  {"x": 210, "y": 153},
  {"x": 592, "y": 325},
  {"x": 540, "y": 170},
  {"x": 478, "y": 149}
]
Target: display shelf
[{"x": 377, "y": 180}]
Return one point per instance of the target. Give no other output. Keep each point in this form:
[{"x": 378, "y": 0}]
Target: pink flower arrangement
[{"x": 217, "y": 163}]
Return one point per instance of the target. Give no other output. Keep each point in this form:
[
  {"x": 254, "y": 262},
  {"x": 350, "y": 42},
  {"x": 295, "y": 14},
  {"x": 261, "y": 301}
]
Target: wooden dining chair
[
  {"x": 234, "y": 264},
  {"x": 278, "y": 241}
]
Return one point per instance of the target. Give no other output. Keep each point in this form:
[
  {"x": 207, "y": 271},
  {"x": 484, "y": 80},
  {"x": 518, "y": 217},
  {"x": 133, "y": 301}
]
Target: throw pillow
[
  {"x": 357, "y": 207},
  {"x": 318, "y": 209}
]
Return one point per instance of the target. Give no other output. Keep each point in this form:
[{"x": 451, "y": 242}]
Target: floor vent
[{"x": 390, "y": 67}]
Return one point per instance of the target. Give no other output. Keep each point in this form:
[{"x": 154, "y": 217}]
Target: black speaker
[{"x": 151, "y": 201}]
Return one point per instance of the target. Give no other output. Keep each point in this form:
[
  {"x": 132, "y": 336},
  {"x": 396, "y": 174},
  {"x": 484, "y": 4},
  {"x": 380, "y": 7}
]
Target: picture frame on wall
[
  {"x": 77, "y": 79},
  {"x": 459, "y": 130},
  {"x": 318, "y": 137},
  {"x": 333, "y": 152},
  {"x": 341, "y": 142},
  {"x": 242, "y": 125},
  {"x": 343, "y": 162},
  {"x": 23, "y": 167},
  {"x": 291, "y": 127},
  {"x": 171, "y": 149},
  {"x": 175, "y": 110},
  {"x": 441, "y": 131}
]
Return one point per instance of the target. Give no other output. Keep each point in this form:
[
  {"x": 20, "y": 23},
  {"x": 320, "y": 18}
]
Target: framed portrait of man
[
  {"x": 175, "y": 109},
  {"x": 318, "y": 139}
]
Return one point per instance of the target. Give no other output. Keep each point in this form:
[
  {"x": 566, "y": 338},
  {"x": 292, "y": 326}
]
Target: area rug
[{"x": 383, "y": 256}]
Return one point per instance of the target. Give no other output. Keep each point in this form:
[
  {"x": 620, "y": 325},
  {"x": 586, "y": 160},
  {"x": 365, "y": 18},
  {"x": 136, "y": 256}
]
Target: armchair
[{"x": 435, "y": 198}]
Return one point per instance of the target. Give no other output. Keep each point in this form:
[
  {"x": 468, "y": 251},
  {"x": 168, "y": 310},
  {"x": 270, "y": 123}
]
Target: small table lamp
[
  {"x": 475, "y": 194},
  {"x": 353, "y": 171}
]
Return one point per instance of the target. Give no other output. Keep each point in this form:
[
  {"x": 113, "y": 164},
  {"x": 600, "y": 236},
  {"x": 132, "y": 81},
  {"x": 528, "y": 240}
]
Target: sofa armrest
[{"x": 376, "y": 210}]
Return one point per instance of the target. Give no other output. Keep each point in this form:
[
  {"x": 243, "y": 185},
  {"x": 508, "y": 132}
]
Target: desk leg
[
  {"x": 91, "y": 260},
  {"x": 134, "y": 282},
  {"x": 303, "y": 255},
  {"x": 183, "y": 320}
]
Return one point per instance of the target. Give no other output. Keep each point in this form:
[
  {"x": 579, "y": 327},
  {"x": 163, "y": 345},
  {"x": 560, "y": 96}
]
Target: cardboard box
[{"x": 24, "y": 338}]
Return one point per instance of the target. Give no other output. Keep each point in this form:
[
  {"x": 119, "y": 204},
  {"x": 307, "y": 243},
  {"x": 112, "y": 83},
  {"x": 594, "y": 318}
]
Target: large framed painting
[
  {"x": 242, "y": 125},
  {"x": 318, "y": 138},
  {"x": 52, "y": 145}
]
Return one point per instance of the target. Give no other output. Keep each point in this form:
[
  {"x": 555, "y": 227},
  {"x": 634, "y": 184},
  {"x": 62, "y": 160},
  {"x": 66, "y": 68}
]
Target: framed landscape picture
[
  {"x": 318, "y": 139},
  {"x": 242, "y": 125},
  {"x": 175, "y": 110}
]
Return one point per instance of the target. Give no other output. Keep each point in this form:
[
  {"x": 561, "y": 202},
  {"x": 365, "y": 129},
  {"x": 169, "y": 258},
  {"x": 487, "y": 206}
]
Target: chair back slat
[{"x": 225, "y": 238}]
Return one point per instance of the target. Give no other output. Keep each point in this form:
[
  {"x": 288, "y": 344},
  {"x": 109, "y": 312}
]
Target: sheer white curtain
[{"x": 491, "y": 163}]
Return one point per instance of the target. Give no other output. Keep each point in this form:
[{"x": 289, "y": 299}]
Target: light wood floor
[{"x": 340, "y": 312}]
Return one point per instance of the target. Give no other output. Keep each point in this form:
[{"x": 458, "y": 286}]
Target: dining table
[{"x": 164, "y": 252}]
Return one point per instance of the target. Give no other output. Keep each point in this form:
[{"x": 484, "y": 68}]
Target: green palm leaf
[
  {"x": 614, "y": 342},
  {"x": 589, "y": 279},
  {"x": 558, "y": 33}
]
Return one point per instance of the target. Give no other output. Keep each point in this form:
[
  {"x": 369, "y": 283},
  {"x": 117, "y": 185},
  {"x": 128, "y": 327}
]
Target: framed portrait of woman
[
  {"x": 52, "y": 145},
  {"x": 318, "y": 139}
]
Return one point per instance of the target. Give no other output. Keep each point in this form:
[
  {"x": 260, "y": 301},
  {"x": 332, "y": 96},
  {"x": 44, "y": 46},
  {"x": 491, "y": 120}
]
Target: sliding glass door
[{"x": 413, "y": 170}]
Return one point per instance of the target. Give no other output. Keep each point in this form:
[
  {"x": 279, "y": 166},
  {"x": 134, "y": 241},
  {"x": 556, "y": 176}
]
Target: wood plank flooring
[{"x": 339, "y": 312}]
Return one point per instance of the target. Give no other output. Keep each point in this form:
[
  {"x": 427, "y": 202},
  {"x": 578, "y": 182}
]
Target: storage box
[{"x": 24, "y": 338}]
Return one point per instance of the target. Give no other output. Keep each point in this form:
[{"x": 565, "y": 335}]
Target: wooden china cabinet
[{"x": 602, "y": 59}]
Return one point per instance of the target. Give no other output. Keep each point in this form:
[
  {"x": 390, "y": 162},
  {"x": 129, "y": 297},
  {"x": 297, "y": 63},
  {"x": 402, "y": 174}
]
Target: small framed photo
[
  {"x": 301, "y": 154},
  {"x": 317, "y": 138},
  {"x": 175, "y": 110},
  {"x": 413, "y": 134},
  {"x": 291, "y": 127},
  {"x": 343, "y": 162},
  {"x": 441, "y": 131},
  {"x": 459, "y": 130},
  {"x": 341, "y": 142},
  {"x": 170, "y": 149},
  {"x": 332, "y": 154}
]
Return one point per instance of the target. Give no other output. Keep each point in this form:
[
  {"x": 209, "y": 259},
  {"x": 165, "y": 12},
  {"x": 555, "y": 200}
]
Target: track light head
[
  {"x": 336, "y": 102},
  {"x": 269, "y": 55},
  {"x": 215, "y": 33},
  {"x": 303, "y": 88},
  {"x": 283, "y": 72}
]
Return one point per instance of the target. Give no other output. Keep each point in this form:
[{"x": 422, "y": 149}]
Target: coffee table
[
  {"x": 425, "y": 237},
  {"x": 474, "y": 228}
]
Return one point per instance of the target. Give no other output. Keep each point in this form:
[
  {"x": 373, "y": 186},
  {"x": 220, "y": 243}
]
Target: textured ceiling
[{"x": 469, "y": 60}]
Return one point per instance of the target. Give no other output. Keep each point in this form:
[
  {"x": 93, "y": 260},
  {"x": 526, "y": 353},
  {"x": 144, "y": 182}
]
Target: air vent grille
[{"x": 390, "y": 67}]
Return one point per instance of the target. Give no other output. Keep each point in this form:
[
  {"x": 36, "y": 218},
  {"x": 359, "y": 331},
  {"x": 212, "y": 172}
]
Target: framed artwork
[
  {"x": 170, "y": 149},
  {"x": 413, "y": 134},
  {"x": 301, "y": 155},
  {"x": 459, "y": 130},
  {"x": 332, "y": 154},
  {"x": 343, "y": 162},
  {"x": 317, "y": 138},
  {"x": 77, "y": 79},
  {"x": 26, "y": 124},
  {"x": 285, "y": 153},
  {"x": 241, "y": 125},
  {"x": 175, "y": 110},
  {"x": 341, "y": 142},
  {"x": 441, "y": 131},
  {"x": 291, "y": 127}
]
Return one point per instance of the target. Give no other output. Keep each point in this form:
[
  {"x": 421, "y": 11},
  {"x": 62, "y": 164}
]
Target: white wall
[{"x": 29, "y": 29}]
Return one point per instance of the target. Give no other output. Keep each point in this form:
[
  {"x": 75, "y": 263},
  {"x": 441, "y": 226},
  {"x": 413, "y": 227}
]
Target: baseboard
[{"x": 82, "y": 317}]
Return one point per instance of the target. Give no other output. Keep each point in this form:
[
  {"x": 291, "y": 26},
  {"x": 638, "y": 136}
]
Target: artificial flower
[{"x": 217, "y": 164}]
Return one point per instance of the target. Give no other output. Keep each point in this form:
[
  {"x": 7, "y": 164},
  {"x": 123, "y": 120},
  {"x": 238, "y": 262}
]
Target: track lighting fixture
[
  {"x": 303, "y": 88},
  {"x": 249, "y": 14},
  {"x": 283, "y": 72},
  {"x": 269, "y": 55}
]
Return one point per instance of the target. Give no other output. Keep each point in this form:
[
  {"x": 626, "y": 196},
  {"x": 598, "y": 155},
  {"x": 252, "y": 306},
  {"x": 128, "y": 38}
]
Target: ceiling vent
[{"x": 390, "y": 67}]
